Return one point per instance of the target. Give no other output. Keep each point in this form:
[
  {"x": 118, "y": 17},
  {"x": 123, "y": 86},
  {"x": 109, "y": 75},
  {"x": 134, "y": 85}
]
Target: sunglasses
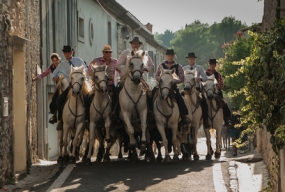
[{"x": 108, "y": 52}]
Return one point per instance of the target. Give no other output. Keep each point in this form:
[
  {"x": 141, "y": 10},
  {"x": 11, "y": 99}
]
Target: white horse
[
  {"x": 73, "y": 115},
  {"x": 215, "y": 114},
  {"x": 100, "y": 108},
  {"x": 61, "y": 85},
  {"x": 192, "y": 102},
  {"x": 166, "y": 113},
  {"x": 133, "y": 101}
]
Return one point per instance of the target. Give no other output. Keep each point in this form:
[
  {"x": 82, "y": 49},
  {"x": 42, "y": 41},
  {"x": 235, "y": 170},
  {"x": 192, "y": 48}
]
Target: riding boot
[
  {"x": 115, "y": 101},
  {"x": 204, "y": 106},
  {"x": 184, "y": 120},
  {"x": 227, "y": 114},
  {"x": 53, "y": 119}
]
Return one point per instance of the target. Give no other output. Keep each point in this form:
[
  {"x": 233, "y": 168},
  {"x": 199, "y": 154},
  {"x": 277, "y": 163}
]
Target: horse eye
[
  {"x": 82, "y": 78},
  {"x": 96, "y": 77}
]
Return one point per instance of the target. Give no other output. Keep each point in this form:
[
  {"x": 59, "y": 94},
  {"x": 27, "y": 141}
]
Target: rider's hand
[
  {"x": 198, "y": 79},
  {"x": 145, "y": 69},
  {"x": 55, "y": 79}
]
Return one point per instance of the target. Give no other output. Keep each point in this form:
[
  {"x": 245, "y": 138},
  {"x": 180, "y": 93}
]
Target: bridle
[
  {"x": 161, "y": 88},
  {"x": 187, "y": 82},
  {"x": 97, "y": 85},
  {"x": 131, "y": 71},
  {"x": 80, "y": 85}
]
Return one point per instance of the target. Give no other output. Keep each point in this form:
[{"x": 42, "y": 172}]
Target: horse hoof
[
  {"x": 185, "y": 157},
  {"x": 211, "y": 150},
  {"x": 217, "y": 155},
  {"x": 120, "y": 156},
  {"x": 143, "y": 147},
  {"x": 77, "y": 158},
  {"x": 167, "y": 159},
  {"x": 175, "y": 158},
  {"x": 106, "y": 159},
  {"x": 99, "y": 159},
  {"x": 72, "y": 160},
  {"x": 84, "y": 158},
  {"x": 59, "y": 160},
  {"x": 87, "y": 161},
  {"x": 66, "y": 159},
  {"x": 208, "y": 157},
  {"x": 196, "y": 156},
  {"x": 159, "y": 158}
]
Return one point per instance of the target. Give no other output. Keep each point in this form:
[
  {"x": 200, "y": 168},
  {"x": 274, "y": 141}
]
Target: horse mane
[
  {"x": 58, "y": 84},
  {"x": 138, "y": 53},
  {"x": 85, "y": 88}
]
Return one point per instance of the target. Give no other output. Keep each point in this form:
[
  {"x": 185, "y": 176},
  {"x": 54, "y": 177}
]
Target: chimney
[{"x": 149, "y": 27}]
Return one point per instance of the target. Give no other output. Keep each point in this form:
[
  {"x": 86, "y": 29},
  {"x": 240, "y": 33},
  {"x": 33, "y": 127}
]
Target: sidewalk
[{"x": 247, "y": 172}]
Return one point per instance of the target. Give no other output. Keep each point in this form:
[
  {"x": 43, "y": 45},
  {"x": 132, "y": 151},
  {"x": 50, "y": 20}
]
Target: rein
[
  {"x": 81, "y": 99},
  {"x": 166, "y": 116},
  {"x": 135, "y": 103}
]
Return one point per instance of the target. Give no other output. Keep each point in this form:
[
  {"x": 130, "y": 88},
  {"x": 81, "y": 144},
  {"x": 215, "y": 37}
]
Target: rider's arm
[
  {"x": 180, "y": 75},
  {"x": 220, "y": 82},
  {"x": 45, "y": 73},
  {"x": 202, "y": 74},
  {"x": 122, "y": 60},
  {"x": 158, "y": 72},
  {"x": 149, "y": 66}
]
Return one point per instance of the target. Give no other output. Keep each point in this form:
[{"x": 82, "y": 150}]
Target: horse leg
[
  {"x": 92, "y": 126},
  {"x": 208, "y": 142},
  {"x": 195, "y": 140},
  {"x": 218, "y": 144},
  {"x": 160, "y": 128},
  {"x": 65, "y": 143},
  {"x": 60, "y": 143},
  {"x": 143, "y": 144},
  {"x": 175, "y": 141},
  {"x": 75, "y": 141},
  {"x": 107, "y": 127},
  {"x": 120, "y": 147}
]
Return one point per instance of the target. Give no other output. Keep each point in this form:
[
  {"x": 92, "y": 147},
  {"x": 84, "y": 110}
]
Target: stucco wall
[{"x": 19, "y": 30}]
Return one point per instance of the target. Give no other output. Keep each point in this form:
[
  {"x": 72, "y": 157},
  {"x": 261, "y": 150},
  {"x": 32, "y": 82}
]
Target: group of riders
[{"x": 59, "y": 67}]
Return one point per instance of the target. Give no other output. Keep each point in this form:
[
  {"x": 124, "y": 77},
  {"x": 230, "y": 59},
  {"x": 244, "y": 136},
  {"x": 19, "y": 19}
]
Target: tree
[{"x": 165, "y": 38}]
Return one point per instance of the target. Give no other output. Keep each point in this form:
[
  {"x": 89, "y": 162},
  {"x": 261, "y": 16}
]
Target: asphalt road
[{"x": 122, "y": 175}]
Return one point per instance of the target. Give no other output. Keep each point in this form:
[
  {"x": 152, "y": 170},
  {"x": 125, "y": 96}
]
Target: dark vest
[{"x": 172, "y": 67}]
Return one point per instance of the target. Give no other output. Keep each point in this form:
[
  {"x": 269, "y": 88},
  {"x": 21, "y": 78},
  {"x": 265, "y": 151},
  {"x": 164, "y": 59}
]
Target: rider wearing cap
[
  {"x": 64, "y": 68},
  {"x": 200, "y": 76},
  {"x": 169, "y": 64},
  {"x": 148, "y": 67},
  {"x": 210, "y": 71}
]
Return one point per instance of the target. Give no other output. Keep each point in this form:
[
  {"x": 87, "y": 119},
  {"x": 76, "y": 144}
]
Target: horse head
[
  {"x": 99, "y": 77},
  {"x": 165, "y": 82},
  {"x": 189, "y": 81},
  {"x": 136, "y": 65},
  {"x": 77, "y": 79},
  {"x": 210, "y": 87}
]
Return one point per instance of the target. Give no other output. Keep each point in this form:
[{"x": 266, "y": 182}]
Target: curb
[{"x": 233, "y": 176}]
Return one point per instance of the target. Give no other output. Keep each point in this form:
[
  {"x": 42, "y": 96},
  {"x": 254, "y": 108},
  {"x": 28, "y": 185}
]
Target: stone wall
[
  {"x": 18, "y": 18},
  {"x": 269, "y": 13}
]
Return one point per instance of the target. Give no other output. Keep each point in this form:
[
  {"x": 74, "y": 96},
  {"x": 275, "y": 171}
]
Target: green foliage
[
  {"x": 165, "y": 38},
  {"x": 231, "y": 66}
]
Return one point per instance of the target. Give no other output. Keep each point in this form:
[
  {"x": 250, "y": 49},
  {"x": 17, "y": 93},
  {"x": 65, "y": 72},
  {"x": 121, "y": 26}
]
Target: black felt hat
[
  {"x": 191, "y": 55},
  {"x": 67, "y": 48},
  {"x": 169, "y": 52},
  {"x": 212, "y": 61},
  {"x": 136, "y": 39}
]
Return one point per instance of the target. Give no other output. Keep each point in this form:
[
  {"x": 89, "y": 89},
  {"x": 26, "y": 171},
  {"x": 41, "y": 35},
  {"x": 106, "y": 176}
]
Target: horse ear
[
  {"x": 143, "y": 53},
  {"x": 186, "y": 71},
  {"x": 173, "y": 70},
  {"x": 132, "y": 53}
]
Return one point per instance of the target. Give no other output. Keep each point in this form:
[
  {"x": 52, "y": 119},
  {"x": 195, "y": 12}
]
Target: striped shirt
[{"x": 110, "y": 70}]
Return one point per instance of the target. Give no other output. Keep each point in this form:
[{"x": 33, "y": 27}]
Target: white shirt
[
  {"x": 199, "y": 72},
  {"x": 65, "y": 67}
]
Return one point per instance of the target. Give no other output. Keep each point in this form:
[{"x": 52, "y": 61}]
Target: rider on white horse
[
  {"x": 210, "y": 71},
  {"x": 111, "y": 68},
  {"x": 200, "y": 76},
  {"x": 135, "y": 45},
  {"x": 64, "y": 68},
  {"x": 169, "y": 64}
]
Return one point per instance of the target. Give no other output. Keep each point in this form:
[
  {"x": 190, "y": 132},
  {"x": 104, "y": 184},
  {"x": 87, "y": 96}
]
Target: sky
[{"x": 174, "y": 14}]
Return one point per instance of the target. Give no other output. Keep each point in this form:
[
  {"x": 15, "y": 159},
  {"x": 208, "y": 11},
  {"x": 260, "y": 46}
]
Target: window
[{"x": 81, "y": 29}]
